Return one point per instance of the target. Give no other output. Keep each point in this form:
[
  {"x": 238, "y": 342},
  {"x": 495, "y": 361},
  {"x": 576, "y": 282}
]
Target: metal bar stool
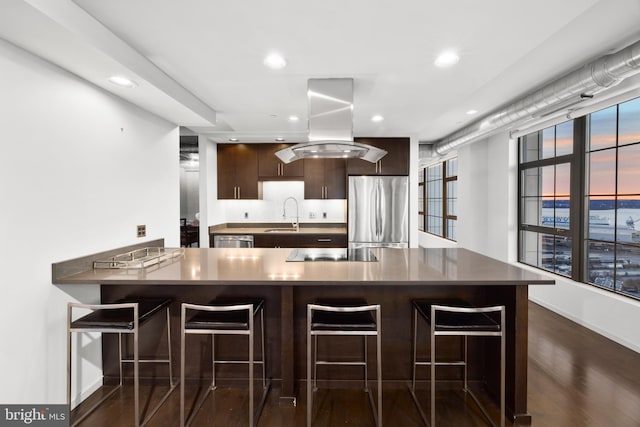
[
  {"x": 224, "y": 317},
  {"x": 126, "y": 316},
  {"x": 352, "y": 318},
  {"x": 457, "y": 319}
]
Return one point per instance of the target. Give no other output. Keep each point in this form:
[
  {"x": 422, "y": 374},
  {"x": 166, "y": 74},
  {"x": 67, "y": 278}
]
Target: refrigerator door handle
[{"x": 378, "y": 212}]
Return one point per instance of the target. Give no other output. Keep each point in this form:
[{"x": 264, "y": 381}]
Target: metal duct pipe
[{"x": 569, "y": 90}]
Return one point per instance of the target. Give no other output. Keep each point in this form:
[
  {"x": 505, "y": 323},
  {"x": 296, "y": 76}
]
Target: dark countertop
[{"x": 281, "y": 227}]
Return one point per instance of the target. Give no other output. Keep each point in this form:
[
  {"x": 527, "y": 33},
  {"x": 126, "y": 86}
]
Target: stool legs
[
  {"x": 432, "y": 334},
  {"x": 107, "y": 327},
  {"x": 379, "y": 355},
  {"x": 480, "y": 325},
  {"x": 182, "y": 364},
  {"x": 309, "y": 391},
  {"x": 312, "y": 356},
  {"x": 251, "y": 326},
  {"x": 220, "y": 330},
  {"x": 366, "y": 371}
]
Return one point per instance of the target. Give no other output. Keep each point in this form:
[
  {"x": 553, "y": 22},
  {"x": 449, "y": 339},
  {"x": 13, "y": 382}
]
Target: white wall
[
  {"x": 487, "y": 221},
  {"x": 79, "y": 170}
]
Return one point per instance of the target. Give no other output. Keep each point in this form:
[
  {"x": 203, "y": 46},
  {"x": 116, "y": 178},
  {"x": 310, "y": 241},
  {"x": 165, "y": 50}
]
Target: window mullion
[{"x": 578, "y": 203}]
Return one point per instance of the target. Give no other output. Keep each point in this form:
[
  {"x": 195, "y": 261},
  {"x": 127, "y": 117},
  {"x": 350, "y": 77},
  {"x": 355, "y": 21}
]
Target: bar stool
[
  {"x": 346, "y": 317},
  {"x": 457, "y": 318},
  {"x": 224, "y": 316},
  {"x": 126, "y": 316}
]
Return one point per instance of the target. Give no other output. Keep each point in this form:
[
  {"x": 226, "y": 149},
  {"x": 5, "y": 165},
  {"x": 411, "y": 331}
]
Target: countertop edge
[{"x": 62, "y": 270}]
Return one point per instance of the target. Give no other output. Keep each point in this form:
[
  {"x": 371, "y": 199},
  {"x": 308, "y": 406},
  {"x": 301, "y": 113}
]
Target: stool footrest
[
  {"x": 326, "y": 362},
  {"x": 146, "y": 361},
  {"x": 454, "y": 363}
]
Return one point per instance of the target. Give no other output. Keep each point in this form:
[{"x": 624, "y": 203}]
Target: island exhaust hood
[{"x": 330, "y": 125}]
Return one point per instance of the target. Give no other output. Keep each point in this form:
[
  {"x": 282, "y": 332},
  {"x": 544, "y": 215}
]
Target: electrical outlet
[
  {"x": 312, "y": 215},
  {"x": 324, "y": 215},
  {"x": 142, "y": 230},
  {"x": 246, "y": 215}
]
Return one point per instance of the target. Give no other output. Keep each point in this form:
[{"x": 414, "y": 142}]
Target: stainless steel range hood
[{"x": 330, "y": 125}]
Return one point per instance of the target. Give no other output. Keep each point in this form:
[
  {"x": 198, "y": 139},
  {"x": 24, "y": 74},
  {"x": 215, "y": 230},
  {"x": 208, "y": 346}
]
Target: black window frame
[
  {"x": 424, "y": 206},
  {"x": 579, "y": 205}
]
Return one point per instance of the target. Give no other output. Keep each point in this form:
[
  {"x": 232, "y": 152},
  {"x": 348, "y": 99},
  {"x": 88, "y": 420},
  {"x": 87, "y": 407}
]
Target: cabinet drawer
[
  {"x": 300, "y": 241},
  {"x": 326, "y": 241}
]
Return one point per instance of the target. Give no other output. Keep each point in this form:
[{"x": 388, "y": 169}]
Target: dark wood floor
[{"x": 576, "y": 378}]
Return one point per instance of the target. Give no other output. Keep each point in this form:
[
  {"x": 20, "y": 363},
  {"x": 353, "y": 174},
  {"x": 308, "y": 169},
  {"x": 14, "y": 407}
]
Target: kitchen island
[{"x": 397, "y": 277}]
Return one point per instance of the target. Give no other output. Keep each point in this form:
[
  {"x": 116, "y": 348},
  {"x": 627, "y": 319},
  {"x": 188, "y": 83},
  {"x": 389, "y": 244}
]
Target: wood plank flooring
[{"x": 576, "y": 378}]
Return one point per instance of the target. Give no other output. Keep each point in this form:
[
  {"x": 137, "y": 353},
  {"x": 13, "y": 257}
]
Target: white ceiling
[{"x": 199, "y": 64}]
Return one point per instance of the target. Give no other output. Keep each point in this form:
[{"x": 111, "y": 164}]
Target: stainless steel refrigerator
[{"x": 378, "y": 211}]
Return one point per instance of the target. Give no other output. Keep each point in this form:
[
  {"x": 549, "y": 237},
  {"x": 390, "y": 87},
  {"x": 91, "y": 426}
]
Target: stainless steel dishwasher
[{"x": 233, "y": 241}]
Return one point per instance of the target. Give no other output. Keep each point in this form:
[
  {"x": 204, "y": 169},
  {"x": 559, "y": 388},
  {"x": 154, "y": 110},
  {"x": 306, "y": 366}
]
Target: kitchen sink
[{"x": 281, "y": 230}]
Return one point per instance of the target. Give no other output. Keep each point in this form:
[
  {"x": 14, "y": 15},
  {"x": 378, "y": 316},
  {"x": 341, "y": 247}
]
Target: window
[
  {"x": 612, "y": 160},
  {"x": 435, "y": 206},
  {"x": 438, "y": 199},
  {"x": 421, "y": 192},
  {"x": 545, "y": 209},
  {"x": 579, "y": 195}
]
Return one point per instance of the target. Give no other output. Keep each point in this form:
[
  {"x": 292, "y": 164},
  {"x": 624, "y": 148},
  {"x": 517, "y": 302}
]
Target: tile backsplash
[{"x": 270, "y": 208}]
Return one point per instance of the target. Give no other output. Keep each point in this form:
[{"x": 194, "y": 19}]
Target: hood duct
[
  {"x": 563, "y": 93},
  {"x": 330, "y": 125}
]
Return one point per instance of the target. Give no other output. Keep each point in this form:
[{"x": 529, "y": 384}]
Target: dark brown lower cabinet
[{"x": 300, "y": 240}]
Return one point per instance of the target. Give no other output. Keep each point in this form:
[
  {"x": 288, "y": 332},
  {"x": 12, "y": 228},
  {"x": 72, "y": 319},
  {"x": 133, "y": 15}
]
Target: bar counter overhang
[{"x": 399, "y": 275}]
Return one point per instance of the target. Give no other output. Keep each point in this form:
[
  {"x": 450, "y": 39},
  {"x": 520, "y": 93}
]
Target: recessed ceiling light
[
  {"x": 123, "y": 82},
  {"x": 232, "y": 139},
  {"x": 294, "y": 118},
  {"x": 275, "y": 61},
  {"x": 377, "y": 118},
  {"x": 472, "y": 112},
  {"x": 447, "y": 59},
  {"x": 279, "y": 139}
]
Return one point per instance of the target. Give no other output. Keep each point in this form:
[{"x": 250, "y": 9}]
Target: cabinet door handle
[
  {"x": 324, "y": 240},
  {"x": 238, "y": 192}
]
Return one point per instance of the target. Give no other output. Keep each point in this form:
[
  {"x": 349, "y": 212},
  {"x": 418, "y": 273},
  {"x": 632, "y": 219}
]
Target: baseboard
[
  {"x": 88, "y": 391},
  {"x": 588, "y": 325}
]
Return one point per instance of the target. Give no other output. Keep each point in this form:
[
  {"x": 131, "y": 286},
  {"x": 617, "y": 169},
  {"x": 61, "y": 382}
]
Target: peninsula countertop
[
  {"x": 269, "y": 266},
  {"x": 399, "y": 275}
]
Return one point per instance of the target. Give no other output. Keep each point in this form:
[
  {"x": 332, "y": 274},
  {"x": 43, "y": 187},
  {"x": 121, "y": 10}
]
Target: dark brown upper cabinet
[
  {"x": 325, "y": 178},
  {"x": 396, "y": 162},
  {"x": 271, "y": 168},
  {"x": 238, "y": 171}
]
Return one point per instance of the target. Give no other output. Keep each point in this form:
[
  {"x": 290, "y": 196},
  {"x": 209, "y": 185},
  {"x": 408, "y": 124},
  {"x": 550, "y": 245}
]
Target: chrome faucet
[{"x": 295, "y": 224}]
